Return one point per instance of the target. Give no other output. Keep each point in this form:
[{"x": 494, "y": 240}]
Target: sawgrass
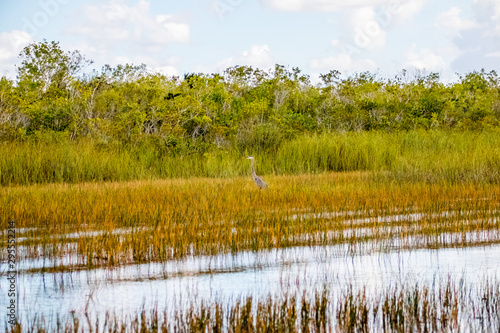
[
  {"x": 109, "y": 206},
  {"x": 107, "y": 224},
  {"x": 430, "y": 156}
]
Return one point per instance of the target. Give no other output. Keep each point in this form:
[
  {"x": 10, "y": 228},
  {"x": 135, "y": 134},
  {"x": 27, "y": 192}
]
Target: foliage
[
  {"x": 59, "y": 123},
  {"x": 433, "y": 156},
  {"x": 241, "y": 108}
]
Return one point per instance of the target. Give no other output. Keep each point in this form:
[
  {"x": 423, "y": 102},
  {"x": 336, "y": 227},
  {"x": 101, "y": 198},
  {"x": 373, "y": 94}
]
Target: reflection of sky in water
[{"x": 125, "y": 289}]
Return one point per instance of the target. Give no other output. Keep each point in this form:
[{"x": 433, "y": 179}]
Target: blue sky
[{"x": 175, "y": 37}]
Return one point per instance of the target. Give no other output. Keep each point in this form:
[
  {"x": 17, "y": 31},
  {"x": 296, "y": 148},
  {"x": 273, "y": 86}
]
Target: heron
[{"x": 258, "y": 181}]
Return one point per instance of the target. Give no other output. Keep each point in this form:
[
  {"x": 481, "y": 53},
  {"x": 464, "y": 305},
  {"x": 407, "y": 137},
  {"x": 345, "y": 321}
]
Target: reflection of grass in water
[
  {"x": 175, "y": 218},
  {"x": 448, "y": 306}
]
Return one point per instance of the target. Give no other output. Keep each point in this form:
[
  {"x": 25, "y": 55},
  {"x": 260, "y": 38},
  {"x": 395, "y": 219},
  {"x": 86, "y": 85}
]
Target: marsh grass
[
  {"x": 430, "y": 156},
  {"x": 106, "y": 206},
  {"x": 448, "y": 306},
  {"x": 108, "y": 224}
]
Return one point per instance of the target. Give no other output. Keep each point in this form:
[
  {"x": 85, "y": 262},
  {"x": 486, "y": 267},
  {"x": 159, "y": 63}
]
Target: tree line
[{"x": 242, "y": 107}]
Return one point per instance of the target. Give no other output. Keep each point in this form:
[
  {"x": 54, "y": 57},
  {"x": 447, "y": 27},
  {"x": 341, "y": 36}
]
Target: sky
[{"x": 178, "y": 37}]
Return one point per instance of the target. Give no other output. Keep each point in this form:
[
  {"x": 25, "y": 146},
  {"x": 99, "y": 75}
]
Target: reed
[
  {"x": 430, "y": 156},
  {"x": 107, "y": 224},
  {"x": 449, "y": 306},
  {"x": 80, "y": 207}
]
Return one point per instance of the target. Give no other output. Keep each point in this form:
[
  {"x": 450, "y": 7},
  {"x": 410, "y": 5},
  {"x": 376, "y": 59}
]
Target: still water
[{"x": 174, "y": 284}]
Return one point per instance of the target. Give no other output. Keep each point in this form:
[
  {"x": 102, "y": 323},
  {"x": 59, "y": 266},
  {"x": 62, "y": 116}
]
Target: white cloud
[
  {"x": 493, "y": 55},
  {"x": 496, "y": 17},
  {"x": 368, "y": 26},
  {"x": 118, "y": 32},
  {"x": 478, "y": 44},
  {"x": 172, "y": 31},
  {"x": 448, "y": 51},
  {"x": 365, "y": 30},
  {"x": 404, "y": 8},
  {"x": 320, "y": 5},
  {"x": 335, "y": 42},
  {"x": 451, "y": 22},
  {"x": 258, "y": 56},
  {"x": 166, "y": 70},
  {"x": 402, "y": 11},
  {"x": 11, "y": 44},
  {"x": 122, "y": 60},
  {"x": 173, "y": 60},
  {"x": 488, "y": 12},
  {"x": 424, "y": 59},
  {"x": 344, "y": 63},
  {"x": 114, "y": 21}
]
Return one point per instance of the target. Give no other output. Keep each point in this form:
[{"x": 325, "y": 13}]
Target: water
[{"x": 174, "y": 284}]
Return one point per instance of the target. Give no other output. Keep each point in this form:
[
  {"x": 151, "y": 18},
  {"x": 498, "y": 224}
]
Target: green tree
[{"x": 45, "y": 80}]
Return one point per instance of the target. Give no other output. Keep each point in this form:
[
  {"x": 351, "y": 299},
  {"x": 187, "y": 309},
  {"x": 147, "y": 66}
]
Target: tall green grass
[{"x": 430, "y": 156}]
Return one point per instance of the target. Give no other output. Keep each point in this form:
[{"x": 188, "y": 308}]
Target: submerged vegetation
[{"x": 449, "y": 307}]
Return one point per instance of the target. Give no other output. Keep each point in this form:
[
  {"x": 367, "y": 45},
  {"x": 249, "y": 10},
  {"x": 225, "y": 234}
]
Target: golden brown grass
[{"x": 140, "y": 221}]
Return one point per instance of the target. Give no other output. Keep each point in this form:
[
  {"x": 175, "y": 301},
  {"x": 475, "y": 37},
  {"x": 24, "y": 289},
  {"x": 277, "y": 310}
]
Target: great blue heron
[{"x": 258, "y": 181}]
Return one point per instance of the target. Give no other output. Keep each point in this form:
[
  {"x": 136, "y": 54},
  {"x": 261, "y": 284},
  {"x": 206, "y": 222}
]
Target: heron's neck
[{"x": 251, "y": 167}]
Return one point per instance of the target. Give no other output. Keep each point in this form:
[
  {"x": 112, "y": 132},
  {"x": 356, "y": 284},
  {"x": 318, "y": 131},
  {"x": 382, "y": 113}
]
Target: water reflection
[{"x": 126, "y": 289}]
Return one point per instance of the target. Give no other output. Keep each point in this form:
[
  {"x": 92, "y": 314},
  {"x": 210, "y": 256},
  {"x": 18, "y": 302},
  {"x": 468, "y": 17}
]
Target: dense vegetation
[
  {"x": 158, "y": 221},
  {"x": 58, "y": 122},
  {"x": 421, "y": 162},
  {"x": 241, "y": 107},
  {"x": 428, "y": 156}
]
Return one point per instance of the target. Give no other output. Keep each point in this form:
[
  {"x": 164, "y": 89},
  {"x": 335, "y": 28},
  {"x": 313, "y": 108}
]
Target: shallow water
[
  {"x": 373, "y": 265},
  {"x": 126, "y": 289}
]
